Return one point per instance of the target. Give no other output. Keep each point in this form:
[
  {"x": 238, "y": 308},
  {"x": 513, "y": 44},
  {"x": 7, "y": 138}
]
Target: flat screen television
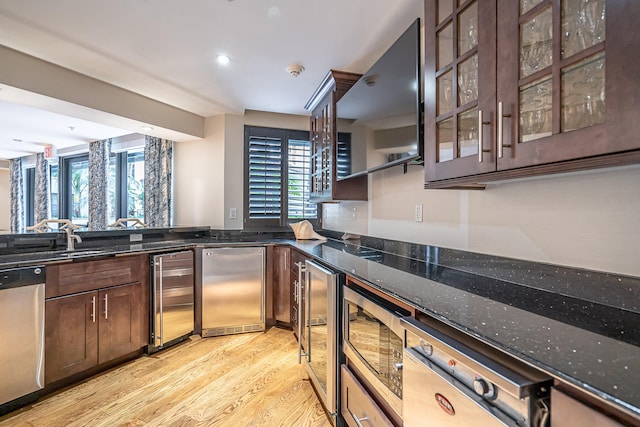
[{"x": 379, "y": 119}]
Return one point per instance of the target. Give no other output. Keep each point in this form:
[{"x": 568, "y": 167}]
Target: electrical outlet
[
  {"x": 233, "y": 213},
  {"x": 419, "y": 212},
  {"x": 354, "y": 213}
]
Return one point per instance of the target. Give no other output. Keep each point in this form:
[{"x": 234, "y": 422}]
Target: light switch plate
[
  {"x": 233, "y": 213},
  {"x": 419, "y": 212}
]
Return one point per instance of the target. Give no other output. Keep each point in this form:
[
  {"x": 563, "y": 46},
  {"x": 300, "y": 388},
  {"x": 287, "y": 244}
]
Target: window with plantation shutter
[
  {"x": 265, "y": 178},
  {"x": 278, "y": 179}
]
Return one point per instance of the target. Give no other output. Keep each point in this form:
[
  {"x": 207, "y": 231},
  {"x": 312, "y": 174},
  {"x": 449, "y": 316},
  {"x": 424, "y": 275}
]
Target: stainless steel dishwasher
[
  {"x": 233, "y": 290},
  {"x": 22, "y": 332}
]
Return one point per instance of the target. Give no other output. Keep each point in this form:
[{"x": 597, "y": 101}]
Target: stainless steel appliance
[
  {"x": 318, "y": 340},
  {"x": 172, "y": 314},
  {"x": 373, "y": 343},
  {"x": 233, "y": 290},
  {"x": 447, "y": 383},
  {"x": 22, "y": 332}
]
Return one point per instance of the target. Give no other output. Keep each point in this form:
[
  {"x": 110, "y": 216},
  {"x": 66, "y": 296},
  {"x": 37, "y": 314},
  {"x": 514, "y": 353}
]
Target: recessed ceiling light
[
  {"x": 146, "y": 128},
  {"x": 223, "y": 59}
]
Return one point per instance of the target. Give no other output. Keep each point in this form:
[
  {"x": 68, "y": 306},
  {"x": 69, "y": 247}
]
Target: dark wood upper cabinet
[
  {"x": 529, "y": 87},
  {"x": 325, "y": 186}
]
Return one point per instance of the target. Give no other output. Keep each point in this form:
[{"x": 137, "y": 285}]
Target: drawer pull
[{"x": 359, "y": 420}]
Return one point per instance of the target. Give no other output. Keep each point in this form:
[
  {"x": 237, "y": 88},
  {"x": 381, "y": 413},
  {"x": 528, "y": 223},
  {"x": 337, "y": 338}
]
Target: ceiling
[{"x": 166, "y": 50}]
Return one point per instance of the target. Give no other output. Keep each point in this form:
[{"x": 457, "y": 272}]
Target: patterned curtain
[
  {"x": 99, "y": 152},
  {"x": 158, "y": 160},
  {"x": 41, "y": 202},
  {"x": 17, "y": 196}
]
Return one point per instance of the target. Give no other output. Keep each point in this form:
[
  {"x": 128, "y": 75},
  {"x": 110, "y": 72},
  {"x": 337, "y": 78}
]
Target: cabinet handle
[
  {"x": 295, "y": 291},
  {"x": 480, "y": 138},
  {"x": 500, "y": 132},
  {"x": 106, "y": 306},
  {"x": 93, "y": 309},
  {"x": 286, "y": 260},
  {"x": 359, "y": 420},
  {"x": 481, "y": 124}
]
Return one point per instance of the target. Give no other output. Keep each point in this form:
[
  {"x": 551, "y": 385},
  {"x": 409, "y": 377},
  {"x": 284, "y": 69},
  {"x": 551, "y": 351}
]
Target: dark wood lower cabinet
[
  {"x": 282, "y": 287},
  {"x": 95, "y": 312},
  {"x": 88, "y": 329},
  {"x": 71, "y": 336},
  {"x": 119, "y": 322}
]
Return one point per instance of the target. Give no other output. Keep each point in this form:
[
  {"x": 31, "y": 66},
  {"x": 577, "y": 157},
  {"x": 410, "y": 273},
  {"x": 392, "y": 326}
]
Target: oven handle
[
  {"x": 391, "y": 320},
  {"x": 508, "y": 380},
  {"x": 425, "y": 365}
]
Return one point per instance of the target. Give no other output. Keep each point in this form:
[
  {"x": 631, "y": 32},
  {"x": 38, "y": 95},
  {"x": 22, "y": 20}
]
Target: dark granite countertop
[
  {"x": 580, "y": 326},
  {"x": 592, "y": 343}
]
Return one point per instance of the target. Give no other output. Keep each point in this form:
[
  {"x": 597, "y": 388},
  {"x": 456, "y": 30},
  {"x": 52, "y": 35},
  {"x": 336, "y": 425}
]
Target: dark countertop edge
[{"x": 172, "y": 245}]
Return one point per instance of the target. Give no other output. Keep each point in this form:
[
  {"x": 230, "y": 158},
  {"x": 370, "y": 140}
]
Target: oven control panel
[{"x": 395, "y": 372}]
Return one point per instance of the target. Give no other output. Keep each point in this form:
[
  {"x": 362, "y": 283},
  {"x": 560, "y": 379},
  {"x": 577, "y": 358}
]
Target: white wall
[
  {"x": 209, "y": 173},
  {"x": 588, "y": 220},
  {"x": 198, "y": 177},
  {"x": 5, "y": 218},
  {"x": 585, "y": 220}
]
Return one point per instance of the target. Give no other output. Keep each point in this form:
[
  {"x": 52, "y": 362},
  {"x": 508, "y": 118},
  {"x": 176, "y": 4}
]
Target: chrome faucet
[
  {"x": 63, "y": 225},
  {"x": 71, "y": 238}
]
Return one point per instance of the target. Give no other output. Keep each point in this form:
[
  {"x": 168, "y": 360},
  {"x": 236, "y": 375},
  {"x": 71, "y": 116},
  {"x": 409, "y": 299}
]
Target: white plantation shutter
[
  {"x": 299, "y": 180},
  {"x": 265, "y": 178},
  {"x": 278, "y": 177}
]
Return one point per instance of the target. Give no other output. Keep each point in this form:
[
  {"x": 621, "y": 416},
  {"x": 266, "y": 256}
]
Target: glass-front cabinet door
[
  {"x": 518, "y": 83},
  {"x": 460, "y": 87},
  {"x": 562, "y": 79}
]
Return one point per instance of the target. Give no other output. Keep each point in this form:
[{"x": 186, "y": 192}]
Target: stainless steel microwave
[{"x": 374, "y": 342}]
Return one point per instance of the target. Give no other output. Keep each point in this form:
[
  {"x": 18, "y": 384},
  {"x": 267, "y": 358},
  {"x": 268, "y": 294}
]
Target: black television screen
[{"x": 379, "y": 118}]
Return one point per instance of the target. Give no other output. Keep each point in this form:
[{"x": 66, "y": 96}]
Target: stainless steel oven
[
  {"x": 448, "y": 383},
  {"x": 373, "y": 343}
]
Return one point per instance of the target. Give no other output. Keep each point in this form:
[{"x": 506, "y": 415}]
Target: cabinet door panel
[
  {"x": 282, "y": 290},
  {"x": 460, "y": 88},
  {"x": 584, "y": 109},
  {"x": 120, "y": 321},
  {"x": 71, "y": 335}
]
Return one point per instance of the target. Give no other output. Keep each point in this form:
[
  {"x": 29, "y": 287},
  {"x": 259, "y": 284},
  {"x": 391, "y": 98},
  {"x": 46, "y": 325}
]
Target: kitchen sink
[{"x": 76, "y": 253}]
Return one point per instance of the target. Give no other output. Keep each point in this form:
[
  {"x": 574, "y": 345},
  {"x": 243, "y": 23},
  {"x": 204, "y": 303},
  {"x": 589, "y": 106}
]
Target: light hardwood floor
[{"x": 239, "y": 380}]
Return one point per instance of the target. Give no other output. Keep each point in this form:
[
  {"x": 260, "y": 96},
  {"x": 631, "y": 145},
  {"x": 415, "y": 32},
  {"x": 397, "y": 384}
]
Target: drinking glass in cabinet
[
  {"x": 536, "y": 46},
  {"x": 468, "y": 133},
  {"x": 445, "y": 50},
  {"x": 468, "y": 80},
  {"x": 583, "y": 25},
  {"x": 444, "y": 136},
  {"x": 535, "y": 110},
  {"x": 468, "y": 29},
  {"x": 583, "y": 94},
  {"x": 445, "y": 89}
]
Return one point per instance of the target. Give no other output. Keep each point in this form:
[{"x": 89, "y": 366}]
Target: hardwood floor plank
[{"x": 237, "y": 380}]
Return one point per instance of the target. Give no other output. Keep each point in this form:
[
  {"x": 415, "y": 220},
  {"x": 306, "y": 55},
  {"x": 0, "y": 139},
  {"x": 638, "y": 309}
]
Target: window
[
  {"x": 277, "y": 177},
  {"x": 125, "y": 190},
  {"x": 126, "y": 186}
]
